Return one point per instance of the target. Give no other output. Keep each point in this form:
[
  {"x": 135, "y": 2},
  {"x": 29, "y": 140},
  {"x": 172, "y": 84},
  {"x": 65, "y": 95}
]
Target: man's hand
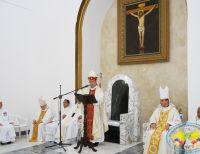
[
  {"x": 80, "y": 117},
  {"x": 34, "y": 121},
  {"x": 50, "y": 122},
  {"x": 63, "y": 116},
  {"x": 12, "y": 123},
  {"x": 167, "y": 126},
  {"x": 152, "y": 125}
]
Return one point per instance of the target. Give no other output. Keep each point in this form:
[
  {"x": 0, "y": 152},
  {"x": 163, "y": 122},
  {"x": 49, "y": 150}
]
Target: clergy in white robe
[
  {"x": 196, "y": 119},
  {"x": 7, "y": 131},
  {"x": 189, "y": 146},
  {"x": 164, "y": 116},
  {"x": 38, "y": 131},
  {"x": 100, "y": 118},
  {"x": 51, "y": 127},
  {"x": 69, "y": 123}
]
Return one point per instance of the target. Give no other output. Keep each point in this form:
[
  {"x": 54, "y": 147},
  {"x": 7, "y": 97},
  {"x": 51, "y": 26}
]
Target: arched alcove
[
  {"x": 119, "y": 99},
  {"x": 130, "y": 119}
]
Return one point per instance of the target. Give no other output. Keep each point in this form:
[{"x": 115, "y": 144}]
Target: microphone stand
[
  {"x": 60, "y": 98},
  {"x": 60, "y": 141}
]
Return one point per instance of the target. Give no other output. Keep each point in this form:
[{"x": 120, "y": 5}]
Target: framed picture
[{"x": 143, "y": 31}]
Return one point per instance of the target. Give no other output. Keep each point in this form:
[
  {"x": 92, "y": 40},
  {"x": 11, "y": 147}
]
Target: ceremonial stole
[
  {"x": 35, "y": 127},
  {"x": 156, "y": 136},
  {"x": 90, "y": 115}
]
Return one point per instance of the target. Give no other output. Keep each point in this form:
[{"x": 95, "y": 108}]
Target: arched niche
[
  {"x": 128, "y": 116},
  {"x": 119, "y": 99}
]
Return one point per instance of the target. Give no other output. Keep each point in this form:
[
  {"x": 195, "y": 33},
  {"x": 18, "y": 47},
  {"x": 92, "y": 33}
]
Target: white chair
[
  {"x": 20, "y": 124},
  {"x": 145, "y": 130},
  {"x": 121, "y": 98}
]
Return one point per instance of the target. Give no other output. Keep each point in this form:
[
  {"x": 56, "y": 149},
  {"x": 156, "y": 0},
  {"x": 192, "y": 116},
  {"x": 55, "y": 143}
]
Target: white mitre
[
  {"x": 92, "y": 74},
  {"x": 42, "y": 101},
  {"x": 164, "y": 93}
]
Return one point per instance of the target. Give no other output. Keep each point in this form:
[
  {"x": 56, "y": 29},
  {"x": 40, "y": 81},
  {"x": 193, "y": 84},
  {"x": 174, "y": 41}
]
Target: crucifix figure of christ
[
  {"x": 140, "y": 14},
  {"x": 84, "y": 140}
]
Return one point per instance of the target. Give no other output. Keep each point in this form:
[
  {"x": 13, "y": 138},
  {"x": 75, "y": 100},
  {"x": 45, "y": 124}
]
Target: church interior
[{"x": 49, "y": 47}]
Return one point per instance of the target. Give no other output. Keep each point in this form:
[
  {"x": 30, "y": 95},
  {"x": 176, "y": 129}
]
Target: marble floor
[{"x": 22, "y": 146}]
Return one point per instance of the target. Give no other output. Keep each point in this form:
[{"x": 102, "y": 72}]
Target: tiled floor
[
  {"x": 20, "y": 143},
  {"x": 22, "y": 146}
]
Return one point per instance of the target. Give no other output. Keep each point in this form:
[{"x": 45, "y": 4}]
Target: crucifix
[{"x": 140, "y": 14}]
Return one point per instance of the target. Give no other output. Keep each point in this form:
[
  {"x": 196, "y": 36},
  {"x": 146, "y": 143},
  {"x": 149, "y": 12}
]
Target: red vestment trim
[{"x": 90, "y": 115}]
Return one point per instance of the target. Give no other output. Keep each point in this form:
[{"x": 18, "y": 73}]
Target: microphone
[
  {"x": 84, "y": 86},
  {"x": 61, "y": 95}
]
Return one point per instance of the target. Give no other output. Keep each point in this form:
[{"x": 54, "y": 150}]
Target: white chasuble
[
  {"x": 100, "y": 118},
  {"x": 155, "y": 142}
]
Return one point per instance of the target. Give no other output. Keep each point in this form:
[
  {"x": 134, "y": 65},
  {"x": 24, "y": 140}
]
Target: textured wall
[{"x": 148, "y": 77}]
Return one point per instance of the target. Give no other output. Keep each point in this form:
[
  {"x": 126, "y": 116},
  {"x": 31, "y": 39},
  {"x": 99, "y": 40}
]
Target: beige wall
[{"x": 148, "y": 77}]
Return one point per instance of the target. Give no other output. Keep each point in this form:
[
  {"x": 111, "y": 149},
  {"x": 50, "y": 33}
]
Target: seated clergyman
[
  {"x": 39, "y": 126},
  {"x": 69, "y": 123},
  {"x": 51, "y": 127},
  {"x": 164, "y": 116},
  {"x": 7, "y": 131}
]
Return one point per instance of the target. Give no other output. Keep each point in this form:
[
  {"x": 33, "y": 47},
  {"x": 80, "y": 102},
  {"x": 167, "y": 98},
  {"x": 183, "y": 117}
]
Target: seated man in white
[
  {"x": 189, "y": 146},
  {"x": 7, "y": 131},
  {"x": 39, "y": 126},
  {"x": 51, "y": 127},
  {"x": 69, "y": 124},
  {"x": 164, "y": 116}
]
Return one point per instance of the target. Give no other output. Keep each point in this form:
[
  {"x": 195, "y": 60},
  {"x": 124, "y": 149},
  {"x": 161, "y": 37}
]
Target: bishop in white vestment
[
  {"x": 38, "y": 131},
  {"x": 7, "y": 131},
  {"x": 99, "y": 123},
  {"x": 164, "y": 116}
]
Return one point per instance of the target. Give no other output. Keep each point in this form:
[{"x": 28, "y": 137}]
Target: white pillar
[{"x": 193, "y": 57}]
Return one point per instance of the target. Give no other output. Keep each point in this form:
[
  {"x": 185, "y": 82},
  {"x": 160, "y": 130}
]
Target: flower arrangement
[{"x": 185, "y": 137}]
